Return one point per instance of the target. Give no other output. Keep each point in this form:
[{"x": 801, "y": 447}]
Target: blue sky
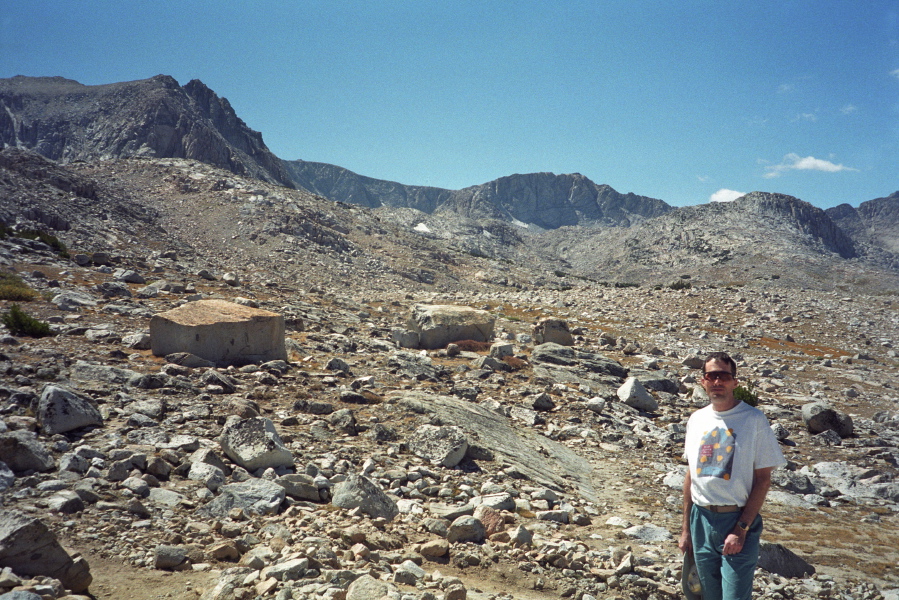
[{"x": 683, "y": 101}]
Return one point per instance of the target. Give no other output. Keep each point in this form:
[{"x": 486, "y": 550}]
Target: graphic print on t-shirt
[{"x": 716, "y": 453}]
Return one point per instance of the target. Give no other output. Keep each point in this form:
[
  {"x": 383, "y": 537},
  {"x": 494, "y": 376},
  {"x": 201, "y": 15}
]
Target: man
[{"x": 731, "y": 452}]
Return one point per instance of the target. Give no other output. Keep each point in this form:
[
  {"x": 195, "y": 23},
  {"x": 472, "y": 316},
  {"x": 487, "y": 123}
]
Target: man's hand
[
  {"x": 733, "y": 543},
  {"x": 685, "y": 543}
]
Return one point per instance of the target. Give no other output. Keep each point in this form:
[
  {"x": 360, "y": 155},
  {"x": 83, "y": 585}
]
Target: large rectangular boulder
[
  {"x": 440, "y": 324},
  {"x": 222, "y": 332}
]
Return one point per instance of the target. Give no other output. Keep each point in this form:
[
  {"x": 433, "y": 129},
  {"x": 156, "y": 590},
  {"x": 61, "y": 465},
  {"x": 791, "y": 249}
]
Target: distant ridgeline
[{"x": 66, "y": 121}]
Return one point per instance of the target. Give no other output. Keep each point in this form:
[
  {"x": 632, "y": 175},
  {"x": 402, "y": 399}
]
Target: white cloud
[
  {"x": 786, "y": 88},
  {"x": 895, "y": 73},
  {"x": 725, "y": 195},
  {"x": 811, "y": 117},
  {"x": 849, "y": 109},
  {"x": 794, "y": 162}
]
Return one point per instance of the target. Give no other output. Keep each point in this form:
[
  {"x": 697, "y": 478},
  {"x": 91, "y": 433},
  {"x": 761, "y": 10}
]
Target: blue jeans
[{"x": 723, "y": 577}]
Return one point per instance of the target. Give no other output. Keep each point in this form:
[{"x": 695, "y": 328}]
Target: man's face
[{"x": 718, "y": 380}]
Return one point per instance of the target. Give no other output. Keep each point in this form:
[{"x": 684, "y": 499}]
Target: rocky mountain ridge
[{"x": 66, "y": 121}]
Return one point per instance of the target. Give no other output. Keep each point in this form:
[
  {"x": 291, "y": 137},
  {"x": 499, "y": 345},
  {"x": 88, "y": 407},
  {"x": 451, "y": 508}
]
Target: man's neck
[{"x": 724, "y": 404}]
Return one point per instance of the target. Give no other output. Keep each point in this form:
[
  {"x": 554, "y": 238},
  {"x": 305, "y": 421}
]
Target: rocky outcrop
[
  {"x": 66, "y": 121},
  {"x": 874, "y": 225},
  {"x": 438, "y": 325},
  {"x": 220, "y": 332},
  {"x": 542, "y": 200},
  {"x": 809, "y": 220},
  {"x": 28, "y": 547}
]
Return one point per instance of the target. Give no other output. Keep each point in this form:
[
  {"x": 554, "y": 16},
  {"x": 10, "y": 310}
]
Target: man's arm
[
  {"x": 686, "y": 543},
  {"x": 761, "y": 482}
]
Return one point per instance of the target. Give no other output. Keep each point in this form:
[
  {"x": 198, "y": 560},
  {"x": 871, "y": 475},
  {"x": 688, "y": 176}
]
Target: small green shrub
[
  {"x": 50, "y": 240},
  {"x": 19, "y": 323},
  {"x": 13, "y": 288},
  {"x": 558, "y": 273},
  {"x": 681, "y": 284},
  {"x": 746, "y": 394},
  {"x": 626, "y": 284}
]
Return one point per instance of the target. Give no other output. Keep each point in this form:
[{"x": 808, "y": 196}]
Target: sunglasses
[{"x": 719, "y": 375}]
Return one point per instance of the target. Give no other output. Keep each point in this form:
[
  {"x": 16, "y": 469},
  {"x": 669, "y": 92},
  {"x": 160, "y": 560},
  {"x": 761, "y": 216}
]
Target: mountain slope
[
  {"x": 544, "y": 200},
  {"x": 66, "y": 121},
  {"x": 874, "y": 223},
  {"x": 759, "y": 236}
]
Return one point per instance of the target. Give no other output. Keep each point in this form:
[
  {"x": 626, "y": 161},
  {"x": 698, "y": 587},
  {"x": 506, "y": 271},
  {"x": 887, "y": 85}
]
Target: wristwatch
[{"x": 743, "y": 525}]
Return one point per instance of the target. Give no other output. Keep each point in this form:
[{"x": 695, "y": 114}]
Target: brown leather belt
[{"x": 723, "y": 508}]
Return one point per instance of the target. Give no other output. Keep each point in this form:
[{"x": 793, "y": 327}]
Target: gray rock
[
  {"x": 207, "y": 455},
  {"x": 634, "y": 394},
  {"x": 497, "y": 501},
  {"x": 445, "y": 446},
  {"x": 30, "y": 549},
  {"x": 113, "y": 289},
  {"x": 129, "y": 276},
  {"x": 72, "y": 301},
  {"x": 7, "y": 477},
  {"x": 60, "y": 410},
  {"x": 596, "y": 405},
  {"x": 438, "y": 325},
  {"x": 213, "y": 377},
  {"x": 343, "y": 420},
  {"x": 151, "y": 407},
  {"x": 780, "y": 432},
  {"x": 20, "y": 595},
  {"x": 170, "y": 558},
  {"x": 66, "y": 502},
  {"x": 819, "y": 417},
  {"x": 648, "y": 533},
  {"x": 22, "y": 452},
  {"x": 543, "y": 402},
  {"x": 404, "y": 338},
  {"x": 300, "y": 487},
  {"x": 210, "y": 476},
  {"x": 137, "y": 341},
  {"x": 531, "y": 455},
  {"x": 553, "y": 330},
  {"x": 369, "y": 588},
  {"x": 186, "y": 359},
  {"x": 165, "y": 497},
  {"x": 412, "y": 365},
  {"x": 254, "y": 444},
  {"x": 358, "y": 491},
  {"x": 289, "y": 570},
  {"x": 138, "y": 486},
  {"x": 554, "y": 354},
  {"x": 87, "y": 372},
  {"x": 557, "y": 516},
  {"x": 254, "y": 496},
  {"x": 466, "y": 529},
  {"x": 777, "y": 559}
]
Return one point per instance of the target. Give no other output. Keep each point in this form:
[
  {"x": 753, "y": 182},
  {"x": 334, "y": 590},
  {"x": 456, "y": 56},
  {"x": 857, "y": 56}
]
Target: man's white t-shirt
[{"x": 724, "y": 448}]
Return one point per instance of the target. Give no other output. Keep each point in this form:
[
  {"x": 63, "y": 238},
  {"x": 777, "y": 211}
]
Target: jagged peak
[{"x": 166, "y": 80}]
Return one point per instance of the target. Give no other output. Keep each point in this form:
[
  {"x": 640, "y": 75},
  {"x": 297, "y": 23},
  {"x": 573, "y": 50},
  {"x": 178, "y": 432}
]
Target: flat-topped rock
[{"x": 219, "y": 331}]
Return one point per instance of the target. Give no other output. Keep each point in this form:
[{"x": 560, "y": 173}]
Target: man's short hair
[{"x": 723, "y": 357}]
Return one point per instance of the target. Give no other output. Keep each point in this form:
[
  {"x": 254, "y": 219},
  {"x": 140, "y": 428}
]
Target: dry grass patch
[{"x": 473, "y": 346}]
